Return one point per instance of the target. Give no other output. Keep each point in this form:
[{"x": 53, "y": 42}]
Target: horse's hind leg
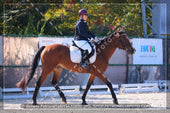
[
  {"x": 56, "y": 75},
  {"x": 90, "y": 81},
  {"x": 44, "y": 74}
]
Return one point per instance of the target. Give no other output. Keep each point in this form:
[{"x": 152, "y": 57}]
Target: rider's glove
[{"x": 96, "y": 39}]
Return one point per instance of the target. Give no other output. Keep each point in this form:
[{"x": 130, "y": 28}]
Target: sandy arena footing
[{"x": 136, "y": 100}]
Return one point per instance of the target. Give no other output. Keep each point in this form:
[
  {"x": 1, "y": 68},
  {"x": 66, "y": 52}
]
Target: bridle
[{"x": 119, "y": 40}]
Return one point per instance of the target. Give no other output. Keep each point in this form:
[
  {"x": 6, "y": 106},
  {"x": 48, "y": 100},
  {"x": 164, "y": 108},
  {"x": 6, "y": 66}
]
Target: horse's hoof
[
  {"x": 115, "y": 102},
  {"x": 64, "y": 101},
  {"x": 84, "y": 103},
  {"x": 34, "y": 103}
]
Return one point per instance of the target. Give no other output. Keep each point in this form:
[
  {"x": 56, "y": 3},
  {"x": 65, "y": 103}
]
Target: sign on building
[{"x": 148, "y": 51}]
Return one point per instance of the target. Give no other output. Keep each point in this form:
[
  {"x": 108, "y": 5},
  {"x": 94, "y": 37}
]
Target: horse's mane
[{"x": 103, "y": 40}]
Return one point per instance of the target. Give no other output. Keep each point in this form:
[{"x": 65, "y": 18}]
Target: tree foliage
[{"x": 58, "y": 17}]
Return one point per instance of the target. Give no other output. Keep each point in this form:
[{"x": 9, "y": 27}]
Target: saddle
[{"x": 76, "y": 53}]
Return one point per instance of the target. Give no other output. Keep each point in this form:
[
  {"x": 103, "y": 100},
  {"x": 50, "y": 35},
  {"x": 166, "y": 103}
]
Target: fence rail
[
  {"x": 14, "y": 93},
  {"x": 149, "y": 87},
  {"x": 101, "y": 89},
  {"x": 162, "y": 84}
]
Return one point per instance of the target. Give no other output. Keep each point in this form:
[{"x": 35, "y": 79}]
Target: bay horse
[{"x": 58, "y": 55}]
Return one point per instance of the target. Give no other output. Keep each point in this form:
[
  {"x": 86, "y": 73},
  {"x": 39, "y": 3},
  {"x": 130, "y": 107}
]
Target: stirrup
[
  {"x": 84, "y": 56},
  {"x": 84, "y": 65},
  {"x": 81, "y": 64}
]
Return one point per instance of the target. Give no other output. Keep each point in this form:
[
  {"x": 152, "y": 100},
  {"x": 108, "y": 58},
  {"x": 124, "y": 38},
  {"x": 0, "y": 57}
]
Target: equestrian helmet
[{"x": 83, "y": 12}]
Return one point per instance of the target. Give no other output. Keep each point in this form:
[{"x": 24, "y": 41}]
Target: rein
[{"x": 119, "y": 40}]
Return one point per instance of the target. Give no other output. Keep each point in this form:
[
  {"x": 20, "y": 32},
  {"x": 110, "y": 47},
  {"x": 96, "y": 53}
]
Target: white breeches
[{"x": 84, "y": 45}]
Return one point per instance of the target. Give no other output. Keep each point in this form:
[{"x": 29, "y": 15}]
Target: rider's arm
[
  {"x": 82, "y": 32},
  {"x": 93, "y": 35}
]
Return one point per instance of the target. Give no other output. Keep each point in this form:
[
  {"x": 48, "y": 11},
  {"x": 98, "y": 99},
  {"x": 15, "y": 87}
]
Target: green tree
[
  {"x": 60, "y": 16},
  {"x": 1, "y": 17},
  {"x": 30, "y": 29}
]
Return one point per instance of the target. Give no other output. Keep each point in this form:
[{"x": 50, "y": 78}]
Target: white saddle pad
[{"x": 75, "y": 55}]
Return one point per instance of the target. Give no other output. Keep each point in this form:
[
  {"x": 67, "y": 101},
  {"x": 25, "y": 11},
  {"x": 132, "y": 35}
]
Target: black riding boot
[{"x": 84, "y": 60}]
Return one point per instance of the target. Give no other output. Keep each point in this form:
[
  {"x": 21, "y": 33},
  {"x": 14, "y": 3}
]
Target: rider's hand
[
  {"x": 96, "y": 39},
  {"x": 92, "y": 40}
]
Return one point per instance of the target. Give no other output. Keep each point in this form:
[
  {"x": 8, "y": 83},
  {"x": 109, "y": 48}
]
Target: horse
[{"x": 56, "y": 57}]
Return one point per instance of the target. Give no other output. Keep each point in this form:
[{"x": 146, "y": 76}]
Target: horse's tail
[{"x": 26, "y": 79}]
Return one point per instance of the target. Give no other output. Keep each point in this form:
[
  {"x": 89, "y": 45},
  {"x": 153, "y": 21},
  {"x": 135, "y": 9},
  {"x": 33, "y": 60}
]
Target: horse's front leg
[
  {"x": 90, "y": 81},
  {"x": 104, "y": 79}
]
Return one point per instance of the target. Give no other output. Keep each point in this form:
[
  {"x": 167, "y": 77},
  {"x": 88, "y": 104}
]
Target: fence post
[
  {"x": 127, "y": 67},
  {"x": 1, "y": 93}
]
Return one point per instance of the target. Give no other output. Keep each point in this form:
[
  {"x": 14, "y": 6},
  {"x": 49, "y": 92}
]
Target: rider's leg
[
  {"x": 85, "y": 46},
  {"x": 85, "y": 55}
]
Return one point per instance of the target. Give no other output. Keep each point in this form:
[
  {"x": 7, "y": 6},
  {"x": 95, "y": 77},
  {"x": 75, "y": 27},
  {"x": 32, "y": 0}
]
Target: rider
[{"x": 82, "y": 37}]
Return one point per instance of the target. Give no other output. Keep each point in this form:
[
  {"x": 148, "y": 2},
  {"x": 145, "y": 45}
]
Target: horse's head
[{"x": 123, "y": 42}]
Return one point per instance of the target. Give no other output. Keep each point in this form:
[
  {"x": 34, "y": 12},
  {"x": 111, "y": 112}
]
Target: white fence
[
  {"x": 51, "y": 91},
  {"x": 130, "y": 88},
  {"x": 162, "y": 84},
  {"x": 101, "y": 89},
  {"x": 13, "y": 93}
]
